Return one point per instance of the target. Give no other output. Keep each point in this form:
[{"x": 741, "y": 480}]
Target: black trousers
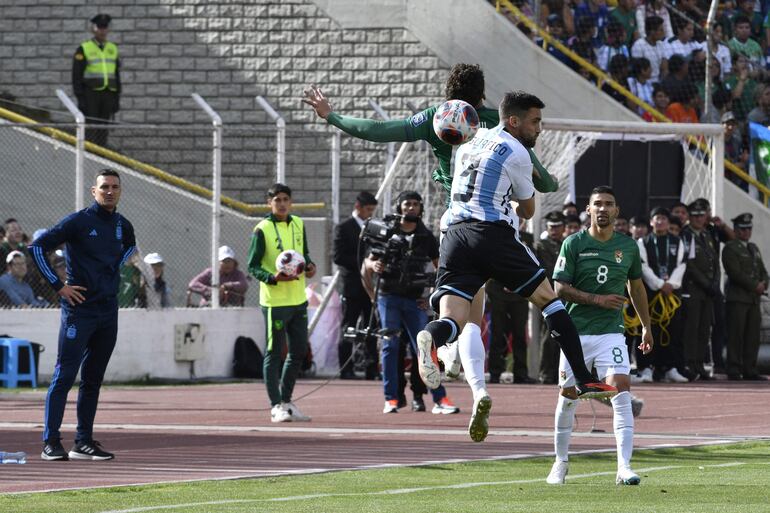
[
  {"x": 100, "y": 108},
  {"x": 698, "y": 312},
  {"x": 509, "y": 317},
  {"x": 668, "y": 352},
  {"x": 719, "y": 332},
  {"x": 549, "y": 356}
]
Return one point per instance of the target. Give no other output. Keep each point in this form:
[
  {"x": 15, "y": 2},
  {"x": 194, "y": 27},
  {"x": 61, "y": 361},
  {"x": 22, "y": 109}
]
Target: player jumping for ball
[
  {"x": 491, "y": 188},
  {"x": 592, "y": 271},
  {"x": 465, "y": 82}
]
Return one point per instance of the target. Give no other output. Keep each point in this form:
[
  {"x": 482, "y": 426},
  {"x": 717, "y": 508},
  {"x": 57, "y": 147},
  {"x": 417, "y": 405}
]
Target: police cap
[
  {"x": 554, "y": 218},
  {"x": 660, "y": 211},
  {"x": 101, "y": 20},
  {"x": 699, "y": 207},
  {"x": 743, "y": 221}
]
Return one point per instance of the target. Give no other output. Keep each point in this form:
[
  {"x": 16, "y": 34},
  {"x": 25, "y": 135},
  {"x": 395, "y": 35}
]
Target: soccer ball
[
  {"x": 455, "y": 122},
  {"x": 290, "y": 263}
]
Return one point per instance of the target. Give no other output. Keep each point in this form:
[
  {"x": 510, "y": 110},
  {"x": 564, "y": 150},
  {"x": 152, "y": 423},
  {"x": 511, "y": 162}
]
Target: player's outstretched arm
[
  {"x": 569, "y": 293},
  {"x": 638, "y": 295},
  {"x": 366, "y": 129}
]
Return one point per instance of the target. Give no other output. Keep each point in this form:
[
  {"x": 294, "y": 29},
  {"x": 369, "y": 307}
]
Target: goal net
[{"x": 694, "y": 153}]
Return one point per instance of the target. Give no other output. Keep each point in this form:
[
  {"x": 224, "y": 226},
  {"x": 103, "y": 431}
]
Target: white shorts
[{"x": 608, "y": 353}]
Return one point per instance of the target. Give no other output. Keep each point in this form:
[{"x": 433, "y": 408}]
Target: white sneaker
[
  {"x": 391, "y": 406},
  {"x": 445, "y": 407},
  {"x": 636, "y": 406},
  {"x": 626, "y": 476},
  {"x": 280, "y": 414},
  {"x": 295, "y": 413},
  {"x": 450, "y": 355},
  {"x": 673, "y": 376},
  {"x": 558, "y": 473},
  {"x": 646, "y": 375},
  {"x": 428, "y": 369},
  {"x": 478, "y": 428},
  {"x": 636, "y": 379}
]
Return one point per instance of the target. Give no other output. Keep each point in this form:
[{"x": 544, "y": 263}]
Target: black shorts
[{"x": 473, "y": 252}]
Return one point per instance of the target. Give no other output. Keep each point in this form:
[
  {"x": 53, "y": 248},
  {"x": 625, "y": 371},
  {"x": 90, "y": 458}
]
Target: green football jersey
[
  {"x": 597, "y": 267},
  {"x": 419, "y": 127}
]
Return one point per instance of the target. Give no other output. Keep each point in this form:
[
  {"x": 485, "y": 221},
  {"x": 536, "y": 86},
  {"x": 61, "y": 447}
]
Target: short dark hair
[
  {"x": 652, "y": 23},
  {"x": 741, "y": 19},
  {"x": 675, "y": 220},
  {"x": 465, "y": 82},
  {"x": 638, "y": 65},
  {"x": 614, "y": 29},
  {"x": 517, "y": 103},
  {"x": 618, "y": 63},
  {"x": 107, "y": 172},
  {"x": 572, "y": 218},
  {"x": 365, "y": 198},
  {"x": 10, "y": 220},
  {"x": 676, "y": 62},
  {"x": 657, "y": 88},
  {"x": 278, "y": 188},
  {"x": 602, "y": 189}
]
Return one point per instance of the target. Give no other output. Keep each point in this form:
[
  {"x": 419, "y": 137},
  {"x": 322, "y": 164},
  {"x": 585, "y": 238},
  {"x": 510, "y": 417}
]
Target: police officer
[
  {"x": 663, "y": 268},
  {"x": 547, "y": 251},
  {"x": 98, "y": 241},
  {"x": 701, "y": 286},
  {"x": 746, "y": 282},
  {"x": 96, "y": 78}
]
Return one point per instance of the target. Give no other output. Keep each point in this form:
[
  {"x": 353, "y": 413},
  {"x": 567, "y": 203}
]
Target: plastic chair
[{"x": 10, "y": 374}]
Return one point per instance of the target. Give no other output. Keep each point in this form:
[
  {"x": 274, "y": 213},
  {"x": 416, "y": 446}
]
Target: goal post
[{"x": 563, "y": 142}]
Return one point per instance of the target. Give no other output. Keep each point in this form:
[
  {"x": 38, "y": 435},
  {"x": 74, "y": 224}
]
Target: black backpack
[{"x": 247, "y": 359}]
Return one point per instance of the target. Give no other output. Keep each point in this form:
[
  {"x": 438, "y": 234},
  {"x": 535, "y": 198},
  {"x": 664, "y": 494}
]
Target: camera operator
[{"x": 400, "y": 262}]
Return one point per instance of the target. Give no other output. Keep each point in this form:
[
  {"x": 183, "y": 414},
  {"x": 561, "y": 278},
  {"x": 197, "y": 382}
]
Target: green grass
[{"x": 719, "y": 479}]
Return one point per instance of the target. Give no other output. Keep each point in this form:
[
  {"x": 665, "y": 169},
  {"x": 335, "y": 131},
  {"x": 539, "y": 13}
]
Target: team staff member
[
  {"x": 355, "y": 302},
  {"x": 746, "y": 282},
  {"x": 98, "y": 241},
  {"x": 282, "y": 299},
  {"x": 96, "y": 77}
]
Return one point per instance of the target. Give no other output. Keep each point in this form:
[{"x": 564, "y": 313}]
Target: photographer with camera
[{"x": 400, "y": 248}]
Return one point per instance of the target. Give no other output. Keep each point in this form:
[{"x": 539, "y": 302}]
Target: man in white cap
[
  {"x": 156, "y": 289},
  {"x": 233, "y": 283},
  {"x": 12, "y": 283}
]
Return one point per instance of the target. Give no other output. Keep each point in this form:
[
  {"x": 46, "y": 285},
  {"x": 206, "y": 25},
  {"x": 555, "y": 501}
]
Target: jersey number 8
[{"x": 601, "y": 273}]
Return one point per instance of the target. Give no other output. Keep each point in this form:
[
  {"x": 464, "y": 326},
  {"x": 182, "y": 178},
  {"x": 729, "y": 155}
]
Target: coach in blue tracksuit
[{"x": 98, "y": 241}]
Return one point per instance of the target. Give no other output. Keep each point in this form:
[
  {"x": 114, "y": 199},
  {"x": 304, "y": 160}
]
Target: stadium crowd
[{"x": 657, "y": 50}]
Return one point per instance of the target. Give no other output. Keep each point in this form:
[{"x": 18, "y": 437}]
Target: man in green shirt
[
  {"x": 593, "y": 269},
  {"x": 465, "y": 82},
  {"x": 625, "y": 14},
  {"x": 282, "y": 298},
  {"x": 743, "y": 44}
]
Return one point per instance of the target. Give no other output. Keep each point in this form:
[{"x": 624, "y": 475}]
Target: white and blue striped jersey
[{"x": 490, "y": 170}]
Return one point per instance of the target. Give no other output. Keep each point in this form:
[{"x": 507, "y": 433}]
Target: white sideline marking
[
  {"x": 399, "y": 491},
  {"x": 288, "y": 429}
]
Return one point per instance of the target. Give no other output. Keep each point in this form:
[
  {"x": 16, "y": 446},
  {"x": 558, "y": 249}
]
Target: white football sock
[
  {"x": 623, "y": 422},
  {"x": 563, "y": 420},
  {"x": 472, "y": 356}
]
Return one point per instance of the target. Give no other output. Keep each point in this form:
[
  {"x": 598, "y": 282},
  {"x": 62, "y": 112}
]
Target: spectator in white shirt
[
  {"x": 652, "y": 47},
  {"x": 683, "y": 44},
  {"x": 616, "y": 35},
  {"x": 639, "y": 82}
]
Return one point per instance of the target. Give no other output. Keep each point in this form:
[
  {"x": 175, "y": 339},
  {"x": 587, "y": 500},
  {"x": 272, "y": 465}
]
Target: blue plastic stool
[{"x": 10, "y": 375}]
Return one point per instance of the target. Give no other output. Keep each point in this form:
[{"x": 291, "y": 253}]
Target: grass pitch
[{"x": 719, "y": 479}]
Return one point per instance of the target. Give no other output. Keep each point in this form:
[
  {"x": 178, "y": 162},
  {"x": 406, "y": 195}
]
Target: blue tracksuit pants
[{"x": 86, "y": 340}]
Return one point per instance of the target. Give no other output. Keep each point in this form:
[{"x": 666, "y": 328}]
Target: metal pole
[
  {"x": 717, "y": 166},
  {"x": 216, "y": 188},
  {"x": 80, "y": 135},
  {"x": 336, "y": 143},
  {"x": 709, "y": 55},
  {"x": 280, "y": 139},
  {"x": 387, "y": 194}
]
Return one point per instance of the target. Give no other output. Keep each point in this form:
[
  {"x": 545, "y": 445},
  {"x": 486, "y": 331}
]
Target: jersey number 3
[{"x": 468, "y": 173}]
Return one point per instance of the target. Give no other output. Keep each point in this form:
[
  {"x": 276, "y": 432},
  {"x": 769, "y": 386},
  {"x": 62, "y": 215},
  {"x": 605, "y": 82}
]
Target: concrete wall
[{"x": 147, "y": 353}]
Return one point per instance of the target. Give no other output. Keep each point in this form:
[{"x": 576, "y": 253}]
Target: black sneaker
[
  {"x": 89, "y": 451},
  {"x": 53, "y": 451},
  {"x": 418, "y": 404}
]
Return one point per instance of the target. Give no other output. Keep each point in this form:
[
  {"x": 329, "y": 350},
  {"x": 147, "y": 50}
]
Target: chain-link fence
[{"x": 171, "y": 216}]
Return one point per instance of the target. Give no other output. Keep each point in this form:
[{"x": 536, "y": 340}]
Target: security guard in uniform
[
  {"x": 701, "y": 286},
  {"x": 746, "y": 282},
  {"x": 96, "y": 78},
  {"x": 547, "y": 251}
]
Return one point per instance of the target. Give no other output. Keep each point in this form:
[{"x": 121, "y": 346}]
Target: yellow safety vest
[
  {"x": 101, "y": 65},
  {"x": 280, "y": 236}
]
